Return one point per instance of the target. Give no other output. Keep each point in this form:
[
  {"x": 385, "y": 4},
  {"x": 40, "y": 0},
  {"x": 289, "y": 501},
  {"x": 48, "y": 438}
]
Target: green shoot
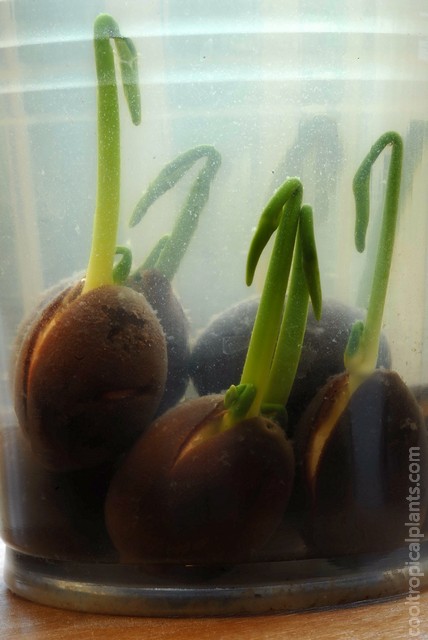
[
  {"x": 237, "y": 402},
  {"x": 362, "y": 351},
  {"x": 152, "y": 258},
  {"x": 123, "y": 267},
  {"x": 100, "y": 267},
  {"x": 304, "y": 284},
  {"x": 169, "y": 253},
  {"x": 285, "y": 217},
  {"x": 282, "y": 213}
]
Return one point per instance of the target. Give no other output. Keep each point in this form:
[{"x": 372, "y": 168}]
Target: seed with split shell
[
  {"x": 189, "y": 493},
  {"x": 353, "y": 456},
  {"x": 90, "y": 374}
]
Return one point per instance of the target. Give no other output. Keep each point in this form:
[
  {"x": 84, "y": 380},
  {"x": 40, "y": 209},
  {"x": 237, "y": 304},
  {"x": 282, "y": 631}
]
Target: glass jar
[{"x": 121, "y": 490}]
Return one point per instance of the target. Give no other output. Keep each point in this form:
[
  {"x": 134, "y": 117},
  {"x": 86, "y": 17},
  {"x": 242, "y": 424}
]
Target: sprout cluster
[{"x": 101, "y": 371}]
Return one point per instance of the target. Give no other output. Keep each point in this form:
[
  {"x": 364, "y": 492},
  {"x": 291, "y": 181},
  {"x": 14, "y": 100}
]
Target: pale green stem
[
  {"x": 362, "y": 354},
  {"x": 100, "y": 267},
  {"x": 268, "y": 319},
  {"x": 290, "y": 340}
]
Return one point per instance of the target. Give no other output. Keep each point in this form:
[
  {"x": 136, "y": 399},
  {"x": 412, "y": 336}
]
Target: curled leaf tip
[
  {"x": 268, "y": 223},
  {"x": 174, "y": 248},
  {"x": 362, "y": 350},
  {"x": 105, "y": 27},
  {"x": 361, "y": 183}
]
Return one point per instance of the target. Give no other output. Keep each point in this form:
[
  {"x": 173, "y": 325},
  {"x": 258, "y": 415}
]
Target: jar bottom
[{"x": 260, "y": 588}]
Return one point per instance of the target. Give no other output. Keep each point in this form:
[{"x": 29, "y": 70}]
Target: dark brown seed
[
  {"x": 357, "y": 481},
  {"x": 89, "y": 376},
  {"x": 187, "y": 493},
  {"x": 157, "y": 290}
]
